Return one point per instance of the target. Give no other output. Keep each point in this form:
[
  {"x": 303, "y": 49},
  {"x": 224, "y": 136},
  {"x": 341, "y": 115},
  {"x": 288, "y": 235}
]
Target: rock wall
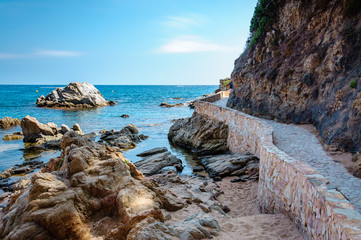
[
  {"x": 304, "y": 67},
  {"x": 286, "y": 184}
]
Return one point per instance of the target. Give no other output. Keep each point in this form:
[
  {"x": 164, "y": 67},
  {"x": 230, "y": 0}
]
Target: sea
[{"x": 141, "y": 103}]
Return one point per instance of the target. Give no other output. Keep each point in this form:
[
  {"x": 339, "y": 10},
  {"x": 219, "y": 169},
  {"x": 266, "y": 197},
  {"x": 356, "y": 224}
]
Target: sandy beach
[{"x": 244, "y": 221}]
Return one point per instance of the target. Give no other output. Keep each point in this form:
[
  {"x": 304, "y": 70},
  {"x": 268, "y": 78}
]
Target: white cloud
[
  {"x": 41, "y": 53},
  {"x": 184, "y": 22},
  {"x": 179, "y": 22},
  {"x": 57, "y": 53},
  {"x": 188, "y": 44}
]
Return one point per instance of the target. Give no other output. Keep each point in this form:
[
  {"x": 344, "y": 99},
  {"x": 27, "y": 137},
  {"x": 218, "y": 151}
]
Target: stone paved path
[{"x": 305, "y": 146}]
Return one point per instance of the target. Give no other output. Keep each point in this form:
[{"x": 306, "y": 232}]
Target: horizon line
[{"x": 5, "y": 84}]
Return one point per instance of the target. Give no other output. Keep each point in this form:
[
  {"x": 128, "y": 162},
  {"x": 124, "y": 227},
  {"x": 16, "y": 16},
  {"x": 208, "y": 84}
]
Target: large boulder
[
  {"x": 33, "y": 129},
  {"x": 200, "y": 134},
  {"x": 155, "y": 160},
  {"x": 75, "y": 95},
  {"x": 7, "y": 122},
  {"x": 245, "y": 166},
  {"x": 92, "y": 180}
]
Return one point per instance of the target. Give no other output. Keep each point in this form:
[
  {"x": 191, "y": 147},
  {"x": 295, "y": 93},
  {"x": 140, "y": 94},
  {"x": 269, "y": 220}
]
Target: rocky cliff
[{"x": 303, "y": 65}]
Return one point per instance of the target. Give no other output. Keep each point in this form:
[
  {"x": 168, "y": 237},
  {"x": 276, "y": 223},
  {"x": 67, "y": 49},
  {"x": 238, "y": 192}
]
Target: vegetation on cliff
[{"x": 262, "y": 17}]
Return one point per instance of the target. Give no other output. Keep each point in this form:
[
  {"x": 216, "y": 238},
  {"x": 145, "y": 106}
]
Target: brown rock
[
  {"x": 7, "y": 122},
  {"x": 12, "y": 137},
  {"x": 88, "y": 179},
  {"x": 32, "y": 129},
  {"x": 53, "y": 126},
  {"x": 54, "y": 164}
]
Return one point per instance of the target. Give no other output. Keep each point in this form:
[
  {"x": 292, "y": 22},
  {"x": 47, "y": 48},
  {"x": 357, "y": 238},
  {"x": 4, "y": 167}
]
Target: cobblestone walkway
[{"x": 305, "y": 146}]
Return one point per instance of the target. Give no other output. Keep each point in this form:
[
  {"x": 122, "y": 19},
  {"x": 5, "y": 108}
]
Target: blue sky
[{"x": 160, "y": 42}]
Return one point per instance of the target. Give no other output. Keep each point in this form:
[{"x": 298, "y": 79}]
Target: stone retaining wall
[
  {"x": 216, "y": 97},
  {"x": 286, "y": 184}
]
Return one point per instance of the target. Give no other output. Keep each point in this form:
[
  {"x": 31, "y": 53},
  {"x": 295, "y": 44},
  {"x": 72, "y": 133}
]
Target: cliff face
[{"x": 303, "y": 65}]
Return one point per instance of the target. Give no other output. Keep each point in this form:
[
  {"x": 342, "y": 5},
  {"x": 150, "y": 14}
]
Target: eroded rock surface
[
  {"x": 7, "y": 122},
  {"x": 155, "y": 160},
  {"x": 93, "y": 180},
  {"x": 244, "y": 165},
  {"x": 92, "y": 192},
  {"x": 75, "y": 95},
  {"x": 200, "y": 134},
  {"x": 44, "y": 135},
  {"x": 126, "y": 138}
]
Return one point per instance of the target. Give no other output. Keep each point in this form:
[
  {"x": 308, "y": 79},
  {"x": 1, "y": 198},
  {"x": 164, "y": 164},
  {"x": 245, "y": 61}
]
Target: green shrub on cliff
[
  {"x": 226, "y": 83},
  {"x": 263, "y": 16},
  {"x": 353, "y": 83}
]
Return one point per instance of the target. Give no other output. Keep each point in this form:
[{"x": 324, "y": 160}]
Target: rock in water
[
  {"x": 200, "y": 134},
  {"x": 45, "y": 135},
  {"x": 166, "y": 105},
  {"x": 152, "y": 151},
  {"x": 75, "y": 95},
  {"x": 23, "y": 168},
  {"x": 33, "y": 129},
  {"x": 123, "y": 139},
  {"x": 15, "y": 136},
  {"x": 155, "y": 160},
  {"x": 7, "y": 122}
]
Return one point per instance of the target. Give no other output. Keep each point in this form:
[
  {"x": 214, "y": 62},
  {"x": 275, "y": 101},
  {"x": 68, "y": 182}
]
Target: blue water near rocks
[{"x": 140, "y": 102}]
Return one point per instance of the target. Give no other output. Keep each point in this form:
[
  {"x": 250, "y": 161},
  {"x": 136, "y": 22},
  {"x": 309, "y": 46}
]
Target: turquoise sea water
[{"x": 140, "y": 102}]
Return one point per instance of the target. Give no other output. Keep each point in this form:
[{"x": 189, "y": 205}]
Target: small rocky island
[{"x": 75, "y": 95}]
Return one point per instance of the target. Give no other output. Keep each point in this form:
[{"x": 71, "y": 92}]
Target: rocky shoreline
[
  {"x": 91, "y": 191},
  {"x": 90, "y": 176}
]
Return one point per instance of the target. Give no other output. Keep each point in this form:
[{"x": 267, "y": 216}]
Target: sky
[{"x": 121, "y": 42}]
